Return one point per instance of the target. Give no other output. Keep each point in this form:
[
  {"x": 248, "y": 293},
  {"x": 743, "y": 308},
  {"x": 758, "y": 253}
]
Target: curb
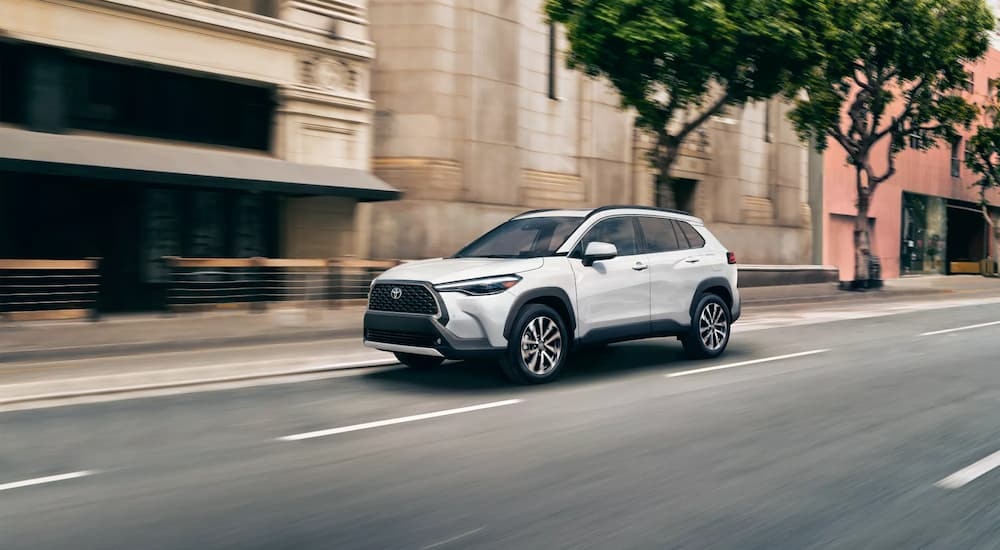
[
  {"x": 195, "y": 382},
  {"x": 846, "y": 296},
  {"x": 131, "y": 348}
]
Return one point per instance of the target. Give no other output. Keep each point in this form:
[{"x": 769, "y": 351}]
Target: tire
[
  {"x": 419, "y": 361},
  {"x": 538, "y": 347},
  {"x": 711, "y": 327}
]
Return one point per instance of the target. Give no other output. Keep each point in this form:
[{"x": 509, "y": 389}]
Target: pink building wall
[{"x": 926, "y": 173}]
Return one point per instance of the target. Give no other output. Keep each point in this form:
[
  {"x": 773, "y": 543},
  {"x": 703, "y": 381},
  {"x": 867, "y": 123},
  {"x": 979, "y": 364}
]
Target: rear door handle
[
  {"x": 693, "y": 260},
  {"x": 639, "y": 266}
]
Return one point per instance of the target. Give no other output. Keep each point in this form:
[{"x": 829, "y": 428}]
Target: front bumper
[{"x": 421, "y": 335}]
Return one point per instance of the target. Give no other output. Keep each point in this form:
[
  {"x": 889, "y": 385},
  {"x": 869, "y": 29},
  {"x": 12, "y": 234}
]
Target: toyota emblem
[{"x": 396, "y": 293}]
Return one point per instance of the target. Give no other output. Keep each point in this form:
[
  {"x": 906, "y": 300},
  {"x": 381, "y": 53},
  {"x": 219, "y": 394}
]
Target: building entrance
[{"x": 131, "y": 228}]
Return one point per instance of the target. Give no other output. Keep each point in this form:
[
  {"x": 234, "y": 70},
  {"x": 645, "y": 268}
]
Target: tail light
[{"x": 731, "y": 258}]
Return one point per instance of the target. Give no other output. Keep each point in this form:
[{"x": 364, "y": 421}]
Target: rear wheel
[
  {"x": 419, "y": 361},
  {"x": 711, "y": 326},
  {"x": 538, "y": 346}
]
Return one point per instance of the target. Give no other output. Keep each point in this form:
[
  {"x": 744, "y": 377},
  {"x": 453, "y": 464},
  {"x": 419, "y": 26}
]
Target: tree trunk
[
  {"x": 862, "y": 237},
  {"x": 666, "y": 156},
  {"x": 996, "y": 246},
  {"x": 995, "y": 257}
]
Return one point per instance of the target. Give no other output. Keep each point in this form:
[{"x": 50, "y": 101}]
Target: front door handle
[{"x": 639, "y": 266}]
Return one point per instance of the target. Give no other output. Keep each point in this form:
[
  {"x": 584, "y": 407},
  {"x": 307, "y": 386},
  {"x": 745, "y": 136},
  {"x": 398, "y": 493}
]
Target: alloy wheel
[
  {"x": 541, "y": 345},
  {"x": 713, "y": 326}
]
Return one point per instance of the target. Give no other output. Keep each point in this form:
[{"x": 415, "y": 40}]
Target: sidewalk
[
  {"x": 73, "y": 362},
  {"x": 149, "y": 333}
]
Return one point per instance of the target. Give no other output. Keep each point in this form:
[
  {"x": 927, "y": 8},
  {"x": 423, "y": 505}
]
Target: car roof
[{"x": 617, "y": 209}]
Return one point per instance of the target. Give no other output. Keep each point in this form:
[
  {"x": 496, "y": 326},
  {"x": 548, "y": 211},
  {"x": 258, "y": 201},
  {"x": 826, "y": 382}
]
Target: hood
[{"x": 450, "y": 270}]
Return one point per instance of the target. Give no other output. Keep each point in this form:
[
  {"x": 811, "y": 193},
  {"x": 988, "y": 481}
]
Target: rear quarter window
[{"x": 694, "y": 239}]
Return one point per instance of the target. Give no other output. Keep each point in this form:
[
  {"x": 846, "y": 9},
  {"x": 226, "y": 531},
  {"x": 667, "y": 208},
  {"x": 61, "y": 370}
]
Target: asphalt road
[{"x": 861, "y": 439}]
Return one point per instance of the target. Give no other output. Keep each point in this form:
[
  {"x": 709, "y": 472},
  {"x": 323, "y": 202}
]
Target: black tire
[
  {"x": 543, "y": 368},
  {"x": 419, "y": 361},
  {"x": 717, "y": 317}
]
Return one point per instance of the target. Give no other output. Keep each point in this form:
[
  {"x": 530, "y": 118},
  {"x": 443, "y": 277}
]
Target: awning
[{"x": 135, "y": 161}]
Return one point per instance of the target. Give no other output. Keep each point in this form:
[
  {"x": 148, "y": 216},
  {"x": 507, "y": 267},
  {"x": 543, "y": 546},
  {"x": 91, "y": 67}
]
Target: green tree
[
  {"x": 983, "y": 158},
  {"x": 891, "y": 80},
  {"x": 679, "y": 62}
]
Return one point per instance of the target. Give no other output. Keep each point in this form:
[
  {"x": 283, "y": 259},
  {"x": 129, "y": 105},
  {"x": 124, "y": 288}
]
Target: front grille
[
  {"x": 400, "y": 338},
  {"x": 408, "y": 299}
]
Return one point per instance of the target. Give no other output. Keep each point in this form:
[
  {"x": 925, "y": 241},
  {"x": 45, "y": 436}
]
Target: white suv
[{"x": 550, "y": 281}]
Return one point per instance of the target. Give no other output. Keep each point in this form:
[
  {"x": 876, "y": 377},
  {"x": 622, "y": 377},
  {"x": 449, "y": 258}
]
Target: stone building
[
  {"x": 136, "y": 129},
  {"x": 478, "y": 119}
]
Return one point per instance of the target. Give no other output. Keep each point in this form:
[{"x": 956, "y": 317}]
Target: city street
[{"x": 868, "y": 432}]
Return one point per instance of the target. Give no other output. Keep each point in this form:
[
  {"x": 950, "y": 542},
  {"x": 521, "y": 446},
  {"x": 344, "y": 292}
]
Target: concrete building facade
[
  {"x": 217, "y": 128},
  {"x": 478, "y": 119}
]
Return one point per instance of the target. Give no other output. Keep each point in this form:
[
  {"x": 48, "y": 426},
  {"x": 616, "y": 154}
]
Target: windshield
[{"x": 523, "y": 238}]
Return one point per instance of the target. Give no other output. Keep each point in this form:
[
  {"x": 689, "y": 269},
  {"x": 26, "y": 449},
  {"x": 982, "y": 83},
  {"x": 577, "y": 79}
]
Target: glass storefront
[{"x": 924, "y": 235}]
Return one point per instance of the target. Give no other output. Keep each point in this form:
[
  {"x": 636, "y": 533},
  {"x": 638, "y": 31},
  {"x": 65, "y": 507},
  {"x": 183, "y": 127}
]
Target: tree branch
[
  {"x": 897, "y": 122},
  {"x": 701, "y": 118},
  {"x": 991, "y": 173},
  {"x": 874, "y": 180},
  {"x": 839, "y": 136},
  {"x": 860, "y": 70}
]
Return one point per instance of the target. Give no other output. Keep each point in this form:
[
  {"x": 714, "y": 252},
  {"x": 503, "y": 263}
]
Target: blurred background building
[
  {"x": 478, "y": 119},
  {"x": 132, "y": 130},
  {"x": 926, "y": 219},
  {"x": 137, "y": 129}
]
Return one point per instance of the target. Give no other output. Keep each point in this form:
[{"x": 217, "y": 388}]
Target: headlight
[{"x": 480, "y": 287}]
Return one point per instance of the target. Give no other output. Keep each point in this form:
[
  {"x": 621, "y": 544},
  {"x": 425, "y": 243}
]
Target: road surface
[{"x": 864, "y": 433}]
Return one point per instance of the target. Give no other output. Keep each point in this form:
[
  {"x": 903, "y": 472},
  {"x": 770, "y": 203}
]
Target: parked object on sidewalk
[
  {"x": 49, "y": 289},
  {"x": 546, "y": 282}
]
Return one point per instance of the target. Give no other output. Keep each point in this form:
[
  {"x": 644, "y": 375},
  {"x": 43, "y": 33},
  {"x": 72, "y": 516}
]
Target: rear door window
[{"x": 659, "y": 235}]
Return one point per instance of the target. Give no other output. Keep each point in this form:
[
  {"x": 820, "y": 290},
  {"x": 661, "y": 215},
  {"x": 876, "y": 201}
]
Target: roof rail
[
  {"x": 538, "y": 211},
  {"x": 635, "y": 207}
]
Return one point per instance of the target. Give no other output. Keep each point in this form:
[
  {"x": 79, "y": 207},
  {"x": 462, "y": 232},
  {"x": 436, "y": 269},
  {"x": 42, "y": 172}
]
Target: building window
[
  {"x": 143, "y": 101},
  {"x": 956, "y": 158},
  {"x": 968, "y": 84},
  {"x": 767, "y": 121},
  {"x": 260, "y": 7},
  {"x": 553, "y": 54},
  {"x": 918, "y": 139}
]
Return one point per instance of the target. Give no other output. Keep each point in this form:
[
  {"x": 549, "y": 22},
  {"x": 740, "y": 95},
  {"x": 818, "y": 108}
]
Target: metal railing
[
  {"x": 49, "y": 289},
  {"x": 256, "y": 283}
]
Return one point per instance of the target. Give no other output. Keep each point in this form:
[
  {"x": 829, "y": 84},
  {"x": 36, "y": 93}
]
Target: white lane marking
[
  {"x": 746, "y": 363},
  {"x": 970, "y": 473},
  {"x": 400, "y": 420},
  {"x": 452, "y": 539},
  {"x": 970, "y": 327},
  {"x": 43, "y": 480}
]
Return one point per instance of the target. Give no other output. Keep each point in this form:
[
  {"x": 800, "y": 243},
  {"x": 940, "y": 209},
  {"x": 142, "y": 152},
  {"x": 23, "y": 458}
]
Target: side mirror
[{"x": 598, "y": 251}]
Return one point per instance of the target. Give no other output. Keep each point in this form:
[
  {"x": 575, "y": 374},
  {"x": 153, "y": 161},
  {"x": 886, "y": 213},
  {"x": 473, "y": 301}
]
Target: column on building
[{"x": 324, "y": 118}]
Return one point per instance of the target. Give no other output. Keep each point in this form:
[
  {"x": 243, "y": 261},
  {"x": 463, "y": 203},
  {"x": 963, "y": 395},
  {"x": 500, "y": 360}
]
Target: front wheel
[
  {"x": 538, "y": 346},
  {"x": 711, "y": 327},
  {"x": 418, "y": 361}
]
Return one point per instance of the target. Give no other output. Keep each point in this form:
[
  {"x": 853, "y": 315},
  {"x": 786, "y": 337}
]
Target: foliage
[
  {"x": 896, "y": 66},
  {"x": 678, "y": 62},
  {"x": 983, "y": 151},
  {"x": 896, "y": 69}
]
